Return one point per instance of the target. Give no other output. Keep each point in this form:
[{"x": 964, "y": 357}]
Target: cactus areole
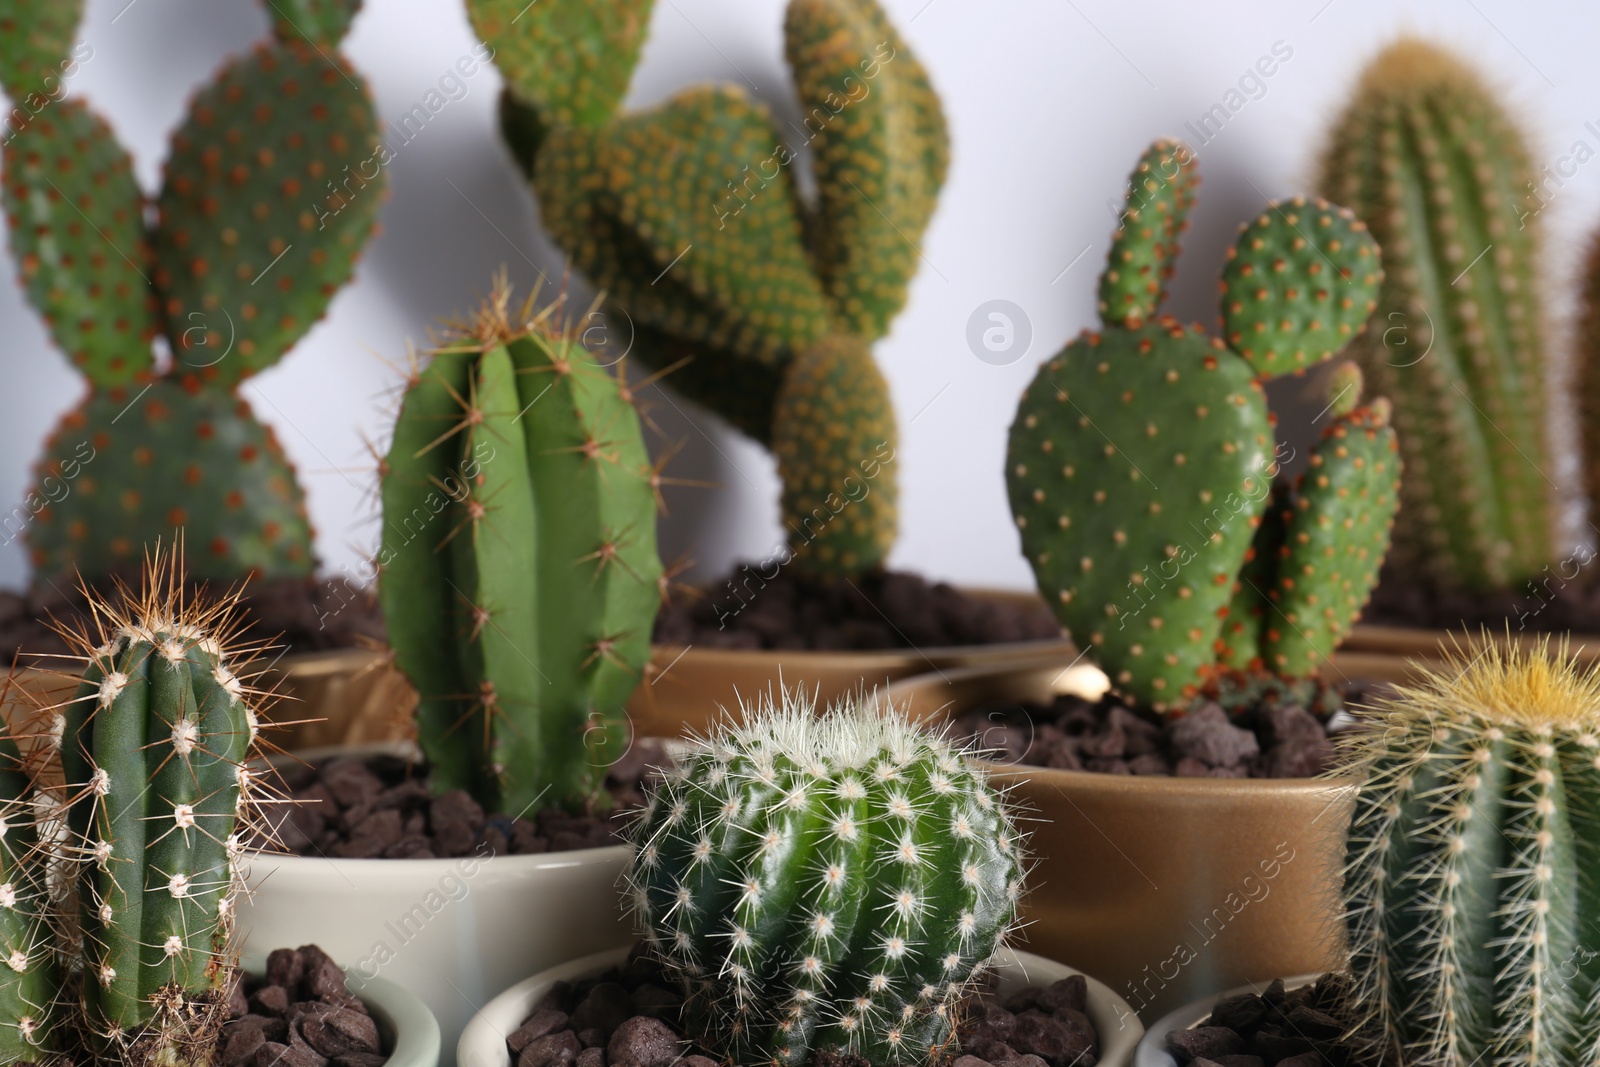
[
  {"x": 824, "y": 884},
  {"x": 262, "y": 213},
  {"x": 1471, "y": 861},
  {"x": 1142, "y": 461}
]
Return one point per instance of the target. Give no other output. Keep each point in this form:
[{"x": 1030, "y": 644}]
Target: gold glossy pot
[
  {"x": 1168, "y": 888},
  {"x": 1416, "y": 641}
]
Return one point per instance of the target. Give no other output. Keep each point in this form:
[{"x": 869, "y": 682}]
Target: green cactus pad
[
  {"x": 318, "y": 22},
  {"x": 130, "y": 466},
  {"x": 1144, "y": 252},
  {"x": 152, "y": 755},
  {"x": 833, "y": 433},
  {"x": 572, "y": 59},
  {"x": 1138, "y": 465},
  {"x": 35, "y": 38},
  {"x": 669, "y": 236},
  {"x": 1239, "y": 644},
  {"x": 77, "y": 229},
  {"x": 30, "y": 979},
  {"x": 1337, "y": 536},
  {"x": 1427, "y": 154},
  {"x": 824, "y": 885},
  {"x": 881, "y": 149},
  {"x": 271, "y": 190},
  {"x": 1471, "y": 862},
  {"x": 1299, "y": 285},
  {"x": 519, "y": 520}
]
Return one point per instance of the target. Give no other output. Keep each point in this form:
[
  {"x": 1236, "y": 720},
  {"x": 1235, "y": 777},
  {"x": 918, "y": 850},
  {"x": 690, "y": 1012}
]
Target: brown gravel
[
  {"x": 298, "y": 614},
  {"x": 631, "y": 1017},
  {"x": 1108, "y": 736},
  {"x": 881, "y": 610},
  {"x": 381, "y": 807},
  {"x": 299, "y": 1014},
  {"x": 1299, "y": 1028}
]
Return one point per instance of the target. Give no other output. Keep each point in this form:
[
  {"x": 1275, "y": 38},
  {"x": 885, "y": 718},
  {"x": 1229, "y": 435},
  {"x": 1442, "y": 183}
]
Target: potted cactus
[
  {"x": 121, "y": 845},
  {"x": 809, "y": 887},
  {"x": 1465, "y": 870},
  {"x": 762, "y": 307},
  {"x": 1146, "y": 483},
  {"x": 255, "y": 227},
  {"x": 519, "y": 579},
  {"x": 1427, "y": 154}
]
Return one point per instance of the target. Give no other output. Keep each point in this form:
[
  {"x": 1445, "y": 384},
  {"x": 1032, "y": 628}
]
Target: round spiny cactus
[
  {"x": 1474, "y": 862},
  {"x": 824, "y": 884}
]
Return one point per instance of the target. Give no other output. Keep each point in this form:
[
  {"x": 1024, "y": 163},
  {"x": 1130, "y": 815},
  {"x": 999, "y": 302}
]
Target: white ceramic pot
[
  {"x": 1152, "y": 1050},
  {"x": 452, "y": 931},
  {"x": 483, "y": 1043}
]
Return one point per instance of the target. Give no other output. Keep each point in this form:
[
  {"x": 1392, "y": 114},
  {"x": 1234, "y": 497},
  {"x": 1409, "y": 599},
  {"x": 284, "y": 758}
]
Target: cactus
[
  {"x": 690, "y": 219},
  {"x": 30, "y": 981},
  {"x": 824, "y": 884},
  {"x": 518, "y": 574},
  {"x": 258, "y": 222},
  {"x": 155, "y": 795},
  {"x": 1425, "y": 153},
  {"x": 1142, "y": 458},
  {"x": 1471, "y": 861}
]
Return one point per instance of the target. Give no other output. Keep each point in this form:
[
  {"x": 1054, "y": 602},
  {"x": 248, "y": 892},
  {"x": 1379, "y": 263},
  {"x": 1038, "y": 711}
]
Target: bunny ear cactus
[
  {"x": 1472, "y": 861},
  {"x": 154, "y": 750},
  {"x": 518, "y": 574},
  {"x": 824, "y": 884},
  {"x": 689, "y": 216},
  {"x": 1426, "y": 154},
  {"x": 259, "y": 221},
  {"x": 1142, "y": 458}
]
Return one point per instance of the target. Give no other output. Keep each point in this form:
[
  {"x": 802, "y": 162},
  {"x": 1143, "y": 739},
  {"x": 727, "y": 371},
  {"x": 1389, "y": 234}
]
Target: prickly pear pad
[{"x": 1144, "y": 251}]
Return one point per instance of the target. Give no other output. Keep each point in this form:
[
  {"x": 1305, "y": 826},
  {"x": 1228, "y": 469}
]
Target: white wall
[{"x": 1049, "y": 103}]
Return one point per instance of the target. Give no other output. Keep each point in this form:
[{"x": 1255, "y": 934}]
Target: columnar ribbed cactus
[
  {"x": 1142, "y": 458},
  {"x": 519, "y": 574},
  {"x": 30, "y": 980},
  {"x": 153, "y": 751},
  {"x": 1426, "y": 154},
  {"x": 266, "y": 202},
  {"x": 1472, "y": 862},
  {"x": 824, "y": 883},
  {"x": 689, "y": 217}
]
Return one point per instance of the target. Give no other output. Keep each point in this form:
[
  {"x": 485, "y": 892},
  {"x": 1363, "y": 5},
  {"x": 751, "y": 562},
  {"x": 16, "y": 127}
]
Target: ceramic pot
[
  {"x": 483, "y": 1043},
  {"x": 1168, "y": 888}
]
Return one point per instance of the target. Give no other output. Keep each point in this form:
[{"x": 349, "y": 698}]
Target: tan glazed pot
[
  {"x": 1414, "y": 641},
  {"x": 1167, "y": 888}
]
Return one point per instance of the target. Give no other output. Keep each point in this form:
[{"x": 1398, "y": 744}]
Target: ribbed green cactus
[
  {"x": 1426, "y": 154},
  {"x": 1142, "y": 458},
  {"x": 689, "y": 217},
  {"x": 265, "y": 205},
  {"x": 30, "y": 980},
  {"x": 824, "y": 883},
  {"x": 519, "y": 575},
  {"x": 1474, "y": 861},
  {"x": 153, "y": 753}
]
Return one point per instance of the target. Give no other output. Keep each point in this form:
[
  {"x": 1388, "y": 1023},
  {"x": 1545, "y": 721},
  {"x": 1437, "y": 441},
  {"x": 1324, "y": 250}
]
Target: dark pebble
[
  {"x": 541, "y": 1022},
  {"x": 643, "y": 1041},
  {"x": 552, "y": 1050},
  {"x": 341, "y": 1032},
  {"x": 1070, "y": 992},
  {"x": 270, "y": 1000},
  {"x": 1208, "y": 1041}
]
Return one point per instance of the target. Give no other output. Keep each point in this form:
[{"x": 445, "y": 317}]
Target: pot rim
[
  {"x": 1152, "y": 1050},
  {"x": 480, "y": 1030}
]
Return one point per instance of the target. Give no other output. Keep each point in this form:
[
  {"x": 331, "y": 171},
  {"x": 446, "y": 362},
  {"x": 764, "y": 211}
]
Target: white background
[{"x": 1049, "y": 103}]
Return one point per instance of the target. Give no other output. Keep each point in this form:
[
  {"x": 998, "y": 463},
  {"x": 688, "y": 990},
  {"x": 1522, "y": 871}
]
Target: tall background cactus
[
  {"x": 519, "y": 574},
  {"x": 259, "y": 221},
  {"x": 1426, "y": 154},
  {"x": 824, "y": 884},
  {"x": 690, "y": 218},
  {"x": 1142, "y": 459},
  {"x": 1472, "y": 862}
]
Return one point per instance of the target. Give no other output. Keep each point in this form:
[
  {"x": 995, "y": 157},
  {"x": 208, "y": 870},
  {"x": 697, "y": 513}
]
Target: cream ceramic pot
[{"x": 483, "y": 1043}]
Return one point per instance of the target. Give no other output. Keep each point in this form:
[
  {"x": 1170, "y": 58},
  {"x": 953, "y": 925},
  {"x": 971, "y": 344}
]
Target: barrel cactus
[
  {"x": 824, "y": 884},
  {"x": 1426, "y": 153},
  {"x": 270, "y": 190},
  {"x": 30, "y": 979},
  {"x": 762, "y": 305},
  {"x": 1142, "y": 460},
  {"x": 518, "y": 572},
  {"x": 1472, "y": 861}
]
